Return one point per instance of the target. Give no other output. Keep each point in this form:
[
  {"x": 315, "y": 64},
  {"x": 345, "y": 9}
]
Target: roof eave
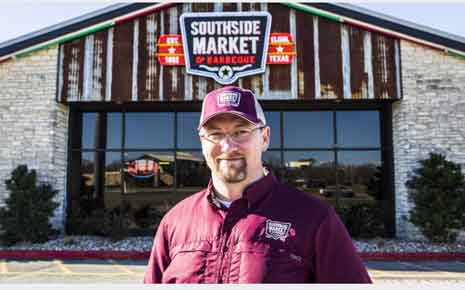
[{"x": 68, "y": 26}]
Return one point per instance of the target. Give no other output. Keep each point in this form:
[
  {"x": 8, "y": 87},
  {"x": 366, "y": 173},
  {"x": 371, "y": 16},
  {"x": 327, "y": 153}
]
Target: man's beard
[{"x": 232, "y": 171}]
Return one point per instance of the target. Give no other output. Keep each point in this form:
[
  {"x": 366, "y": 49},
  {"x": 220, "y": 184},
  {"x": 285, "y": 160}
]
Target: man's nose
[{"x": 227, "y": 144}]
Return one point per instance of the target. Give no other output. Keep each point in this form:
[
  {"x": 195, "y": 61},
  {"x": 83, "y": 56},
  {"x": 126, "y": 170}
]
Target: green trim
[
  {"x": 65, "y": 39},
  {"x": 37, "y": 48},
  {"x": 313, "y": 11},
  {"x": 456, "y": 53},
  {"x": 86, "y": 32}
]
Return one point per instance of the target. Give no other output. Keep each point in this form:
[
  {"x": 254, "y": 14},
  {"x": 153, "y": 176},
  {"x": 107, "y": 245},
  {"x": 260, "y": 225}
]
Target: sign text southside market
[
  {"x": 225, "y": 46},
  {"x": 222, "y": 37}
]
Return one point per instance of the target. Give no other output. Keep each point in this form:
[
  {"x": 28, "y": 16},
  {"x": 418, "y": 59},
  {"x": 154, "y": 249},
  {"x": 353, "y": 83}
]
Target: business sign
[
  {"x": 281, "y": 49},
  {"x": 225, "y": 46},
  {"x": 170, "y": 50}
]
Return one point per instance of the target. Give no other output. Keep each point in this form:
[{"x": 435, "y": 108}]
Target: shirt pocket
[
  {"x": 188, "y": 263},
  {"x": 259, "y": 262}
]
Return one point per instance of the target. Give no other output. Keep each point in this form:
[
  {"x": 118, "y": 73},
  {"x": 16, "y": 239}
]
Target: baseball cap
[{"x": 232, "y": 100}]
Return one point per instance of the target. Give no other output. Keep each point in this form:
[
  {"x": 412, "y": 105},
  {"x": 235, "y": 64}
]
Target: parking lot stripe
[
  {"x": 427, "y": 268},
  {"x": 62, "y": 267},
  {"x": 121, "y": 267},
  {"x": 3, "y": 267},
  {"x": 420, "y": 276},
  {"x": 22, "y": 274}
]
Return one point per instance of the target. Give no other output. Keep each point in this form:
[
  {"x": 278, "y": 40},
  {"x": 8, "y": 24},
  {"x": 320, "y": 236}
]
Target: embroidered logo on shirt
[{"x": 277, "y": 230}]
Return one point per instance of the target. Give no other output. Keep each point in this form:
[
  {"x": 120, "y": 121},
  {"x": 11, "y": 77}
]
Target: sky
[{"x": 22, "y": 17}]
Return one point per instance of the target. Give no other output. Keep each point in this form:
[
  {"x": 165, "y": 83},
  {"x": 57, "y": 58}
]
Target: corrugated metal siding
[
  {"x": 358, "y": 76},
  {"x": 148, "y": 67},
  {"x": 99, "y": 66},
  {"x": 73, "y": 70},
  {"x": 332, "y": 61},
  {"x": 229, "y": 7},
  {"x": 279, "y": 77},
  {"x": 384, "y": 68},
  {"x": 173, "y": 76},
  {"x": 121, "y": 86},
  {"x": 305, "y": 56}
]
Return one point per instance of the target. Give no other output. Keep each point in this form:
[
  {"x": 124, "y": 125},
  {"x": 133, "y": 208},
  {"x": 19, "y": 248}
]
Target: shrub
[
  {"x": 437, "y": 190},
  {"x": 25, "y": 218}
]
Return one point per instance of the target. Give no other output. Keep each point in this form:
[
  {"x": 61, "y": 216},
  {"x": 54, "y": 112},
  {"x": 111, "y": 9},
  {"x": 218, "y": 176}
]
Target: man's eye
[
  {"x": 215, "y": 135},
  {"x": 242, "y": 133}
]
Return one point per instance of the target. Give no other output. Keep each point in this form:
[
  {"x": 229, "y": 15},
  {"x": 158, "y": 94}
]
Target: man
[{"x": 246, "y": 227}]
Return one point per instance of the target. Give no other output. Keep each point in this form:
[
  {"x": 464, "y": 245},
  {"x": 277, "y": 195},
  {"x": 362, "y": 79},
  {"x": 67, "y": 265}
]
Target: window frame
[{"x": 384, "y": 107}]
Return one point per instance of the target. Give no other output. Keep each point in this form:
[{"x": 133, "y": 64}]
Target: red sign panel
[
  {"x": 170, "y": 51},
  {"x": 280, "y": 49}
]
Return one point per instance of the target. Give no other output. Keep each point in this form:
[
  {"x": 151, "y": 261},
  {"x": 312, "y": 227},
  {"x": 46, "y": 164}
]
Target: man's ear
[{"x": 266, "y": 138}]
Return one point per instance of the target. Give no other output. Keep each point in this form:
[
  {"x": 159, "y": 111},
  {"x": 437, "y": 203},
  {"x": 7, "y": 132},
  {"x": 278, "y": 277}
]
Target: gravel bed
[{"x": 143, "y": 244}]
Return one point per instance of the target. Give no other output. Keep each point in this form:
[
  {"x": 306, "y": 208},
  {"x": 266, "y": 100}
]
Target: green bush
[
  {"x": 437, "y": 190},
  {"x": 25, "y": 218}
]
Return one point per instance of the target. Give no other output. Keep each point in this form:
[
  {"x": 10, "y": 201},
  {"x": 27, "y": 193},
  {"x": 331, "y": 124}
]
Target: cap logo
[
  {"x": 229, "y": 99},
  {"x": 277, "y": 230}
]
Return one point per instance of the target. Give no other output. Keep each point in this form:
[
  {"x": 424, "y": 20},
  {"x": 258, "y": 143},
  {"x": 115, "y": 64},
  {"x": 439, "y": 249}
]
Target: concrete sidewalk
[{"x": 132, "y": 271}]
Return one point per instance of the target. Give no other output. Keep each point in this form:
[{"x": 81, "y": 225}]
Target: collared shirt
[{"x": 272, "y": 234}]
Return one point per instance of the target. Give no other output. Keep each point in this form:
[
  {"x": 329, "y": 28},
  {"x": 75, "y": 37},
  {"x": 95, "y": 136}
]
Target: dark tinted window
[
  {"x": 188, "y": 136},
  {"x": 88, "y": 175},
  {"x": 192, "y": 170},
  {"x": 359, "y": 174},
  {"x": 308, "y": 129},
  {"x": 272, "y": 120},
  {"x": 311, "y": 171},
  {"x": 89, "y": 129},
  {"x": 149, "y": 130},
  {"x": 272, "y": 162},
  {"x": 114, "y": 130},
  {"x": 112, "y": 179},
  {"x": 358, "y": 128}
]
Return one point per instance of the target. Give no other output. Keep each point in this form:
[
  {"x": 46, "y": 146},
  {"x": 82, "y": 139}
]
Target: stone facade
[
  {"x": 34, "y": 127},
  {"x": 429, "y": 118}
]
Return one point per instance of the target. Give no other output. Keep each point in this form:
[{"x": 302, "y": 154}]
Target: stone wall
[
  {"x": 430, "y": 118},
  {"x": 33, "y": 126}
]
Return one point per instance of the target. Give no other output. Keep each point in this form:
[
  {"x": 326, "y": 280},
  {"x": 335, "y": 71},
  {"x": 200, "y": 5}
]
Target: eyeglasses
[{"x": 239, "y": 136}]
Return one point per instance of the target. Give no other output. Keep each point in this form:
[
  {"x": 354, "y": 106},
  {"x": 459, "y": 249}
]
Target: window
[
  {"x": 273, "y": 121},
  {"x": 308, "y": 129},
  {"x": 146, "y": 161},
  {"x": 149, "y": 130},
  {"x": 187, "y": 136},
  {"x": 152, "y": 160},
  {"x": 358, "y": 129},
  {"x": 89, "y": 128}
]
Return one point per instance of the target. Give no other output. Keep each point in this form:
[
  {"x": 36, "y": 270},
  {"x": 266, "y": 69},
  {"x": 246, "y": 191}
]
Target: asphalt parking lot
[{"x": 132, "y": 271}]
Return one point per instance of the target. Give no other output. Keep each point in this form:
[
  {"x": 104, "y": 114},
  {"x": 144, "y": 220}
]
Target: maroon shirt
[{"x": 273, "y": 234}]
